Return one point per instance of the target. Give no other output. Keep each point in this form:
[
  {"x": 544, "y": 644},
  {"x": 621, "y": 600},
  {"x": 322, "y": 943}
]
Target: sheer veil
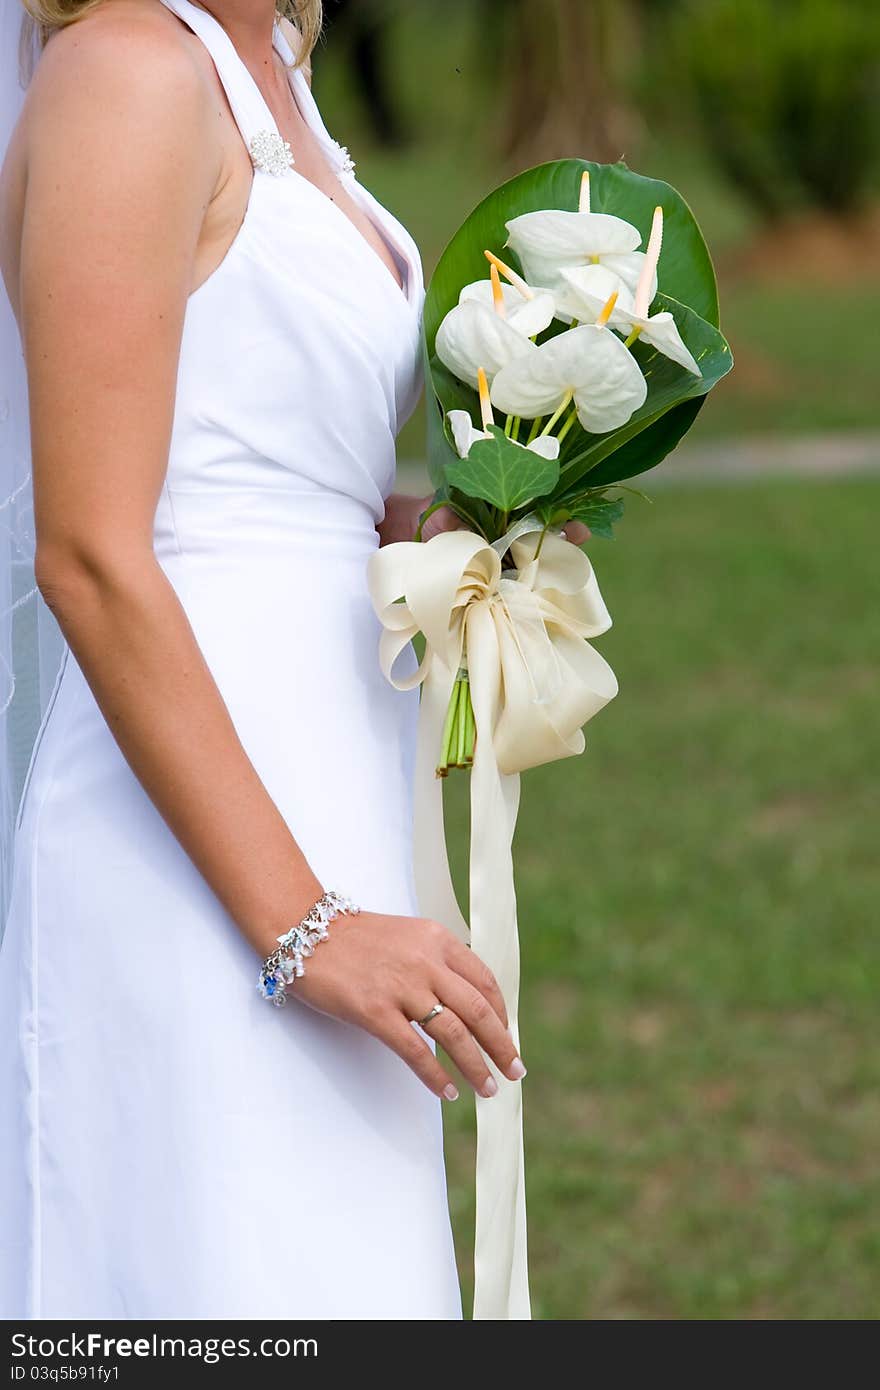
[{"x": 31, "y": 644}]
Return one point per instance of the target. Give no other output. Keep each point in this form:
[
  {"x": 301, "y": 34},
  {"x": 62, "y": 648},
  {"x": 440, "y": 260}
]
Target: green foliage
[
  {"x": 506, "y": 474},
  {"x": 689, "y": 292},
  {"x": 787, "y": 96},
  {"x": 596, "y": 510}
]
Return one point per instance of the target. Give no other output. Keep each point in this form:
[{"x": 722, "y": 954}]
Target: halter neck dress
[{"x": 171, "y": 1145}]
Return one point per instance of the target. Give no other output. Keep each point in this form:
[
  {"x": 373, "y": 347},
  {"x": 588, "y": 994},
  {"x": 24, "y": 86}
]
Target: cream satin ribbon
[{"x": 535, "y": 680}]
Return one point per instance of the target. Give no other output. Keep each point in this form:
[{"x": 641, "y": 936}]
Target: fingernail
[
  {"x": 450, "y": 1092},
  {"x": 490, "y": 1087},
  {"x": 516, "y": 1071}
]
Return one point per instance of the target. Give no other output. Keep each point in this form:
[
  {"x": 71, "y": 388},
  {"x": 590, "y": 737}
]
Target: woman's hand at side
[{"x": 382, "y": 972}]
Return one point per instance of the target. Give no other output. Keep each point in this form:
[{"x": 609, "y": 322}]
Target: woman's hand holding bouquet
[{"x": 562, "y": 359}]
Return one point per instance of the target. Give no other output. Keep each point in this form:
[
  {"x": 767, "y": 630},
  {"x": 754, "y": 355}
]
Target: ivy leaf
[
  {"x": 601, "y": 514},
  {"x": 595, "y": 510},
  {"x": 503, "y": 473}
]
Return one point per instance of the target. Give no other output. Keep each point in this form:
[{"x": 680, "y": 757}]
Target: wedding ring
[{"x": 422, "y": 1022}]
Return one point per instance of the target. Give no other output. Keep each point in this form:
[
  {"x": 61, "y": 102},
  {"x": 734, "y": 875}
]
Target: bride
[{"x": 221, "y": 329}]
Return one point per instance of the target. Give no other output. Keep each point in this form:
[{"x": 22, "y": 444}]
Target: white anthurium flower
[
  {"x": 554, "y": 238},
  {"x": 590, "y": 286},
  {"x": 464, "y": 432},
  {"x": 528, "y": 316},
  {"x": 587, "y": 364},
  {"x": 480, "y": 332},
  {"x": 473, "y": 336},
  {"x": 547, "y": 241},
  {"x": 587, "y": 290}
]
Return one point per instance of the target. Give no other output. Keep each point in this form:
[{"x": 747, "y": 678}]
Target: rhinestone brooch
[
  {"x": 347, "y": 163},
  {"x": 270, "y": 153}
]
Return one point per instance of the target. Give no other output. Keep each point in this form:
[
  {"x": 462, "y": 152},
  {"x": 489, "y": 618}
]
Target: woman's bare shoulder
[
  {"x": 120, "y": 57},
  {"x": 111, "y": 96},
  {"x": 122, "y": 149}
]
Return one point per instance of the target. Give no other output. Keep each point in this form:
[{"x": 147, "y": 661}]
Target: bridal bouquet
[{"x": 570, "y": 336}]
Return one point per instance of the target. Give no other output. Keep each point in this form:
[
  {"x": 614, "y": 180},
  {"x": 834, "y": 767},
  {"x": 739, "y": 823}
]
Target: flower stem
[
  {"x": 536, "y": 425},
  {"x": 470, "y": 728},
  {"x": 541, "y": 540},
  {"x": 461, "y": 720},
  {"x": 632, "y": 337},
  {"x": 563, "y": 406},
  {"x": 429, "y": 511},
  {"x": 451, "y": 714},
  {"x": 466, "y": 723},
  {"x": 568, "y": 423},
  {"x": 459, "y": 729}
]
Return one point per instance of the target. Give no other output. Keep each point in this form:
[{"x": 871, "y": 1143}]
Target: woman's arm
[
  {"x": 114, "y": 207},
  {"x": 115, "y": 201}
]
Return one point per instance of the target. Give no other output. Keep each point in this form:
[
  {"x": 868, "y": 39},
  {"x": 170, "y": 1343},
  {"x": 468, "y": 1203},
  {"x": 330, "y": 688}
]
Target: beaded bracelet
[{"x": 286, "y": 963}]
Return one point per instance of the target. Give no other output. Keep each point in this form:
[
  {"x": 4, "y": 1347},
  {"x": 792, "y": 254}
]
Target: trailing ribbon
[{"x": 535, "y": 680}]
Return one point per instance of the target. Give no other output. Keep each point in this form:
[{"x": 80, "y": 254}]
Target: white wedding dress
[{"x": 172, "y": 1146}]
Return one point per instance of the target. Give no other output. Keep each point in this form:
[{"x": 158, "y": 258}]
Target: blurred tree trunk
[{"x": 564, "y": 69}]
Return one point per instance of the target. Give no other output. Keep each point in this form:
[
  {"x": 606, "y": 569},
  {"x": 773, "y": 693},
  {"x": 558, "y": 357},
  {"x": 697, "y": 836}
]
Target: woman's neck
[{"x": 249, "y": 24}]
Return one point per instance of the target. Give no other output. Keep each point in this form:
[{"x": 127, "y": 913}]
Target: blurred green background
[{"x": 698, "y": 891}]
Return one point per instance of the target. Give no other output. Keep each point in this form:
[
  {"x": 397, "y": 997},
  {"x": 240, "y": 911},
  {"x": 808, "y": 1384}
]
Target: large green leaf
[
  {"x": 648, "y": 448},
  {"x": 686, "y": 276},
  {"x": 503, "y": 473}
]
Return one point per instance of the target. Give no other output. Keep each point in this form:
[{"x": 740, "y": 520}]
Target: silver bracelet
[{"x": 286, "y": 963}]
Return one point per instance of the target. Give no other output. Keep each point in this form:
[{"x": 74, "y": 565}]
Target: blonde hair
[{"x": 43, "y": 16}]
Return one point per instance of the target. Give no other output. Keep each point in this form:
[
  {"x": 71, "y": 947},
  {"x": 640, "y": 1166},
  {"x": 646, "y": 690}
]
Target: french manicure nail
[
  {"x": 516, "y": 1071},
  {"x": 450, "y": 1092},
  {"x": 490, "y": 1087}
]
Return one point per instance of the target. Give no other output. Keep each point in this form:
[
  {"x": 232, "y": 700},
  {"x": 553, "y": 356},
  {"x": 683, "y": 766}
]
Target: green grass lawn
[{"x": 698, "y": 900}]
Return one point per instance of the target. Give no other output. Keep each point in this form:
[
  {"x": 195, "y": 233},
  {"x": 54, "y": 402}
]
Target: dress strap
[
  {"x": 252, "y": 114},
  {"x": 337, "y": 155}
]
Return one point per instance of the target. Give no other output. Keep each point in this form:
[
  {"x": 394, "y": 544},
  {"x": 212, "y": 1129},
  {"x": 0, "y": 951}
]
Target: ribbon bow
[{"x": 535, "y": 680}]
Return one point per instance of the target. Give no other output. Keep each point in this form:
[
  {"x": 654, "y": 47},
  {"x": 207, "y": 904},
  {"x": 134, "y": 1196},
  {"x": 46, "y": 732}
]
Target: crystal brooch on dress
[
  {"x": 347, "y": 163},
  {"x": 270, "y": 153}
]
